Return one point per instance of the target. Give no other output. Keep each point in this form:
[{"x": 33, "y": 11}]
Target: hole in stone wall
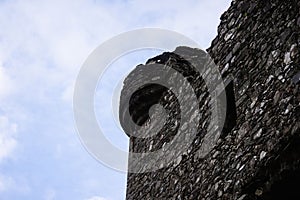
[
  {"x": 286, "y": 188},
  {"x": 231, "y": 115},
  {"x": 141, "y": 101},
  {"x": 280, "y": 178}
]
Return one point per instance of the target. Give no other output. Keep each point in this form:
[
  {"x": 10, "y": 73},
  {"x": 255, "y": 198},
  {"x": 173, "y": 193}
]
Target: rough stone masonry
[{"x": 257, "y": 155}]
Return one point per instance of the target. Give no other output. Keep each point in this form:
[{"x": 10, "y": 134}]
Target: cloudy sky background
[{"x": 42, "y": 47}]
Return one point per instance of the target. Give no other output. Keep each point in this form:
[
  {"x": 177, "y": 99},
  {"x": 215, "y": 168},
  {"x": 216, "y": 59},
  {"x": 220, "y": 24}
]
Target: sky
[{"x": 43, "y": 44}]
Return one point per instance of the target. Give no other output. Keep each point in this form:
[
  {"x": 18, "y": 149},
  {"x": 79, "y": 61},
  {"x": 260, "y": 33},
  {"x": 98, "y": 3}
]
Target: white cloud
[
  {"x": 44, "y": 43},
  {"x": 8, "y": 183},
  {"x": 97, "y": 198},
  {"x": 7, "y": 137}
]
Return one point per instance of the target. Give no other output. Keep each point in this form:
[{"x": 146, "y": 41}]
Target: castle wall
[{"x": 257, "y": 51}]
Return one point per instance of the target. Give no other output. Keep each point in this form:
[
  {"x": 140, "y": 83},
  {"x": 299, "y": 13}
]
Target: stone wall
[{"x": 257, "y": 153}]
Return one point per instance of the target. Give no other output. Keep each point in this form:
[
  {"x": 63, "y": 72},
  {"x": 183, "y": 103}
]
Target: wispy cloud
[
  {"x": 9, "y": 184},
  {"x": 96, "y": 198},
  {"x": 42, "y": 46},
  {"x": 51, "y": 39},
  {"x": 8, "y": 142}
]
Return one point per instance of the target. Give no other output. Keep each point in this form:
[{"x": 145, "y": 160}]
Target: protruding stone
[
  {"x": 242, "y": 197},
  {"x": 258, "y": 134},
  {"x": 258, "y": 192},
  {"x": 262, "y": 155},
  {"x": 296, "y": 78},
  {"x": 276, "y": 97},
  {"x": 287, "y": 58}
]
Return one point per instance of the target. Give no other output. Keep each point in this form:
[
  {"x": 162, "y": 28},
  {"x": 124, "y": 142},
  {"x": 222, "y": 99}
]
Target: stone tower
[{"x": 257, "y": 154}]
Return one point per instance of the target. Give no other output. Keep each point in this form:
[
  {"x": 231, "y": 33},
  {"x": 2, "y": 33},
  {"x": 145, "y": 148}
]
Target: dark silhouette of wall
[{"x": 257, "y": 154}]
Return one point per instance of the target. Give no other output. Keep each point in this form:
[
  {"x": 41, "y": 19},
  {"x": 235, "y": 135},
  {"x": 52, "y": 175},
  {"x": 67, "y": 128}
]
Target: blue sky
[{"x": 42, "y": 47}]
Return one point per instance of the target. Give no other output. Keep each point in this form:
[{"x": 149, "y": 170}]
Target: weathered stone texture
[{"x": 258, "y": 45}]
